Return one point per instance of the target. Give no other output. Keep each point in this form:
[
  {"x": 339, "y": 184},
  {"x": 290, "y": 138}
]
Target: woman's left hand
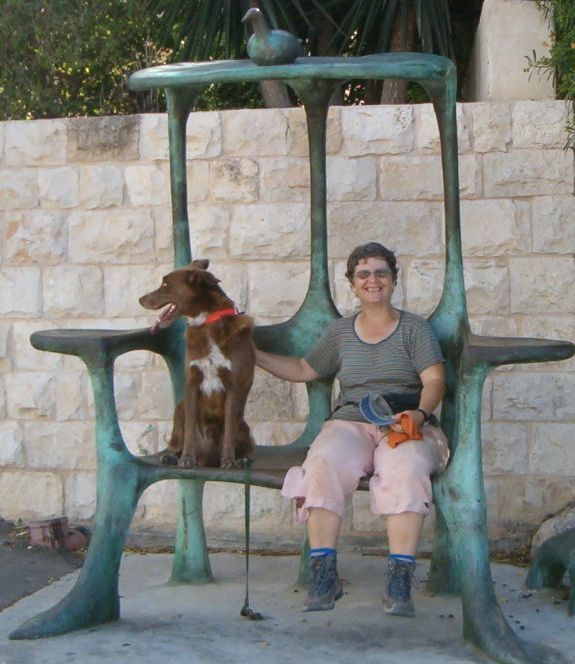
[{"x": 415, "y": 415}]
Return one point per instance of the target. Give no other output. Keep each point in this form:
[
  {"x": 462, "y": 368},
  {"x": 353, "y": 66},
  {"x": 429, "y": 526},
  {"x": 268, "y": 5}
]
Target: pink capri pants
[{"x": 344, "y": 452}]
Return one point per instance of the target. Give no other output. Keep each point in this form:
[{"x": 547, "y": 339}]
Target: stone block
[
  {"x": 58, "y": 187},
  {"x": 494, "y": 325},
  {"x": 490, "y": 126},
  {"x": 487, "y": 287},
  {"x": 540, "y": 124},
  {"x": 31, "y": 495},
  {"x": 72, "y": 400},
  {"x": 60, "y": 445},
  {"x": 18, "y": 189},
  {"x": 275, "y": 433},
  {"x": 224, "y": 506},
  {"x": 124, "y": 285},
  {"x": 427, "y": 129},
  {"x": 255, "y": 132},
  {"x": 234, "y": 281},
  {"x": 234, "y": 180},
  {"x": 198, "y": 174},
  {"x": 37, "y": 143},
  {"x": 269, "y": 232},
  {"x": 11, "y": 445},
  {"x": 30, "y": 396},
  {"x": 73, "y": 291},
  {"x": 351, "y": 179},
  {"x": 409, "y": 228},
  {"x": 300, "y": 399},
  {"x": 542, "y": 285},
  {"x": 406, "y": 177},
  {"x": 111, "y": 236},
  {"x": 377, "y": 129},
  {"x": 37, "y": 236},
  {"x": 493, "y": 228},
  {"x": 284, "y": 179},
  {"x": 160, "y": 503},
  {"x": 141, "y": 437},
  {"x": 103, "y": 139},
  {"x": 423, "y": 286},
  {"x": 275, "y": 300},
  {"x": 527, "y": 173},
  {"x": 164, "y": 239},
  {"x": 2, "y": 134},
  {"x": 203, "y": 136},
  {"x": 80, "y": 492},
  {"x": 155, "y": 400},
  {"x": 136, "y": 360},
  {"x": 101, "y": 185},
  {"x": 147, "y": 184},
  {"x": 28, "y": 358},
  {"x": 297, "y": 132},
  {"x": 6, "y": 345},
  {"x": 552, "y": 226},
  {"x": 508, "y": 30},
  {"x": 533, "y": 397},
  {"x": 210, "y": 225},
  {"x": 20, "y": 292},
  {"x": 271, "y": 396},
  {"x": 363, "y": 520},
  {"x": 505, "y": 448},
  {"x": 551, "y": 452},
  {"x": 127, "y": 392}
]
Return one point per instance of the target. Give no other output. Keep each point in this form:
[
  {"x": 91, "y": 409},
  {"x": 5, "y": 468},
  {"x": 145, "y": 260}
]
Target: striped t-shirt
[{"x": 391, "y": 366}]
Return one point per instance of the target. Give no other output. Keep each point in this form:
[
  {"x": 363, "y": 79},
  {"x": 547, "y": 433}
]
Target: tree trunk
[
  {"x": 275, "y": 94},
  {"x": 394, "y": 91}
]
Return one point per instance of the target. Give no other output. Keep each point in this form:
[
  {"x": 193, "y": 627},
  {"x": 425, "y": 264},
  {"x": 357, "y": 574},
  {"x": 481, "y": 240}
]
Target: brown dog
[{"x": 209, "y": 427}]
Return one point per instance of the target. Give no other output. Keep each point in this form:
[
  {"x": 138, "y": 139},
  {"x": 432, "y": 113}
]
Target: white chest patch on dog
[
  {"x": 209, "y": 366},
  {"x": 196, "y": 321}
]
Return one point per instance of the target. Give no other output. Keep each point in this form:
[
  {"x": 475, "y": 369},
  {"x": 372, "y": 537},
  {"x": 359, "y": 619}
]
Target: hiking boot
[
  {"x": 324, "y": 586},
  {"x": 397, "y": 589}
]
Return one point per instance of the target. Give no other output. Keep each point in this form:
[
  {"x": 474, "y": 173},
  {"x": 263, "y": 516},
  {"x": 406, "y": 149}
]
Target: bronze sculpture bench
[{"x": 460, "y": 560}]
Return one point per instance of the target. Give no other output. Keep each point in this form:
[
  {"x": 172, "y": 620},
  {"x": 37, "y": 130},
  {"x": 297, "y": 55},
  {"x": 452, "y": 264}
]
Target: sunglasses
[{"x": 378, "y": 274}]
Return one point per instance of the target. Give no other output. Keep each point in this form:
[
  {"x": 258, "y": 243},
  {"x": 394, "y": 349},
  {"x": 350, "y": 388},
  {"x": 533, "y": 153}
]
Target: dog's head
[{"x": 189, "y": 291}]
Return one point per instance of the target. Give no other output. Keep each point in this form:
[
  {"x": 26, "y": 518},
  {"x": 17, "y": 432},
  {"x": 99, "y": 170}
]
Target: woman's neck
[{"x": 374, "y": 324}]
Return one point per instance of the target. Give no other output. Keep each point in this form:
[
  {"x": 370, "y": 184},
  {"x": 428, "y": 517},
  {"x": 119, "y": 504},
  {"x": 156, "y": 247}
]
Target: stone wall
[{"x": 86, "y": 230}]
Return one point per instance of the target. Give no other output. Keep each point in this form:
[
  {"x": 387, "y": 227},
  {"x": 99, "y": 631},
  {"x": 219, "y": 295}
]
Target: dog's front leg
[
  {"x": 231, "y": 415},
  {"x": 192, "y": 434}
]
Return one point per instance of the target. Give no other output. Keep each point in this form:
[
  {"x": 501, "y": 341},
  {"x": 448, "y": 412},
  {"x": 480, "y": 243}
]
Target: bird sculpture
[{"x": 270, "y": 47}]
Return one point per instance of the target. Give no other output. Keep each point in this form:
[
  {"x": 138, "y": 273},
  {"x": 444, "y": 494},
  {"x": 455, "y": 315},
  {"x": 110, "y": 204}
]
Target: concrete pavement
[{"x": 197, "y": 624}]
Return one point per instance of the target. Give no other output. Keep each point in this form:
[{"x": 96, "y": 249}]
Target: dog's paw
[
  {"x": 188, "y": 461},
  {"x": 169, "y": 459},
  {"x": 243, "y": 462}
]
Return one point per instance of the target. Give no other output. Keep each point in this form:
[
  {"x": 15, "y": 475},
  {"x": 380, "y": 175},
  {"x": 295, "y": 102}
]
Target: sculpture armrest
[{"x": 97, "y": 345}]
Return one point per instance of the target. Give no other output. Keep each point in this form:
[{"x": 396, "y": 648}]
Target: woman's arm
[
  {"x": 294, "y": 369},
  {"x": 433, "y": 381}
]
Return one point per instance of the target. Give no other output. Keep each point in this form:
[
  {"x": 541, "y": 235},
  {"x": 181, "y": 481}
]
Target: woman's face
[{"x": 372, "y": 281}]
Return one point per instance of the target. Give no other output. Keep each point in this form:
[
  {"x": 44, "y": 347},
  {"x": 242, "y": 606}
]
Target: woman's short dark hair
[{"x": 371, "y": 250}]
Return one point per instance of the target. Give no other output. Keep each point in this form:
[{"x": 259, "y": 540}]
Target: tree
[{"x": 196, "y": 29}]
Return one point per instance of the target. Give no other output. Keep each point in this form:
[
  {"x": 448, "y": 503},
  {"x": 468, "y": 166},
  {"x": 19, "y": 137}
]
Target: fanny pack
[{"x": 379, "y": 409}]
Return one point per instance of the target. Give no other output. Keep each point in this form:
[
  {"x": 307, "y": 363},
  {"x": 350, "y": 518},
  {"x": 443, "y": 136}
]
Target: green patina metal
[{"x": 460, "y": 556}]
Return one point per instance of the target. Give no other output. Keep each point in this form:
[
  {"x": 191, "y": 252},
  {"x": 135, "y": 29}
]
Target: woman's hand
[{"x": 415, "y": 415}]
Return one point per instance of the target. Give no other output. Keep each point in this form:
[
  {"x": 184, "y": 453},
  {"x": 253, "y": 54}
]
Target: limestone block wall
[{"x": 85, "y": 213}]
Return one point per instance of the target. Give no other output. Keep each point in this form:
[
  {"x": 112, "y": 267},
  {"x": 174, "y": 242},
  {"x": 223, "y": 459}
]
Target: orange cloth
[{"x": 410, "y": 431}]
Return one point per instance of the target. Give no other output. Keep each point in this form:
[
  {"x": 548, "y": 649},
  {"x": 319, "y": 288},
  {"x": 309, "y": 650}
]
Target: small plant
[{"x": 560, "y": 63}]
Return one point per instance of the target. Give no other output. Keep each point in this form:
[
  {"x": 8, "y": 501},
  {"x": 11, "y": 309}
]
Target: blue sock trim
[
  {"x": 402, "y": 556},
  {"x": 322, "y": 551}
]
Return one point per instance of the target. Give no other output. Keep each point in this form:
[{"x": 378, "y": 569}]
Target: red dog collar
[{"x": 222, "y": 313}]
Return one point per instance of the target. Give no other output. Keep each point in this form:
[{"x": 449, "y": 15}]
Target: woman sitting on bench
[{"x": 390, "y": 369}]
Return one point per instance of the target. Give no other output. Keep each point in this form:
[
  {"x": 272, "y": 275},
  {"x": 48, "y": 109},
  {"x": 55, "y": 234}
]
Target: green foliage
[
  {"x": 561, "y": 60},
  {"x": 62, "y": 58}
]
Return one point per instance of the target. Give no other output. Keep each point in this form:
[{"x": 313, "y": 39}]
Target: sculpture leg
[
  {"x": 94, "y": 598},
  {"x": 191, "y": 561},
  {"x": 462, "y": 496}
]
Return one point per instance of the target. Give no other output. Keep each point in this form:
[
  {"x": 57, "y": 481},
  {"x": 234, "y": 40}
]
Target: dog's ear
[
  {"x": 203, "y": 278},
  {"x": 202, "y": 263}
]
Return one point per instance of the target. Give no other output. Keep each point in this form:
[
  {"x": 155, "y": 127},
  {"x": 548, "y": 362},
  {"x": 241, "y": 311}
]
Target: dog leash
[{"x": 246, "y": 611}]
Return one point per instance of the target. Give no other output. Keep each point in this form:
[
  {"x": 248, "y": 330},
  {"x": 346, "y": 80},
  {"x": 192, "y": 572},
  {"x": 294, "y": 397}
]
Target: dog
[{"x": 208, "y": 427}]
